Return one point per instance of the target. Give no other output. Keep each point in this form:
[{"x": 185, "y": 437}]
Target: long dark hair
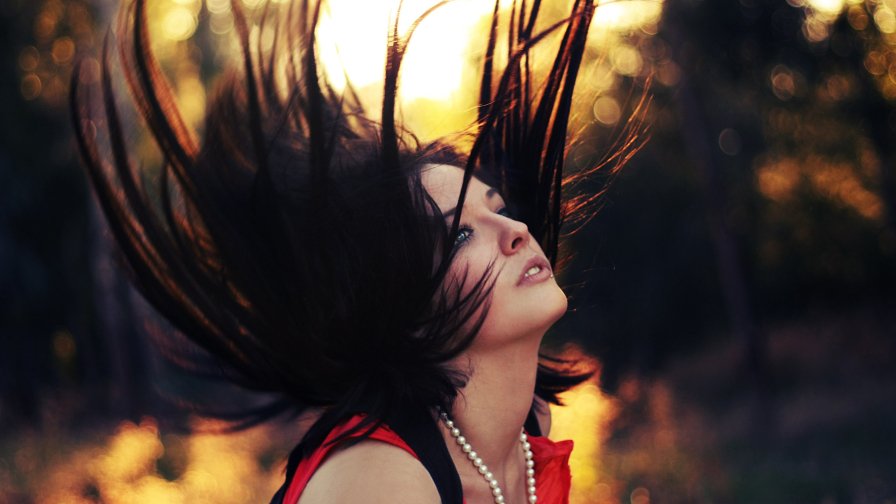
[{"x": 295, "y": 242}]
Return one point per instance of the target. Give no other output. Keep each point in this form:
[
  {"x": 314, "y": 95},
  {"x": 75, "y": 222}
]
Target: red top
[{"x": 552, "y": 477}]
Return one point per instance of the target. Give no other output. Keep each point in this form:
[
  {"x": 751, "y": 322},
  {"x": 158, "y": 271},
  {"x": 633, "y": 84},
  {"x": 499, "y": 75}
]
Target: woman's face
[{"x": 526, "y": 299}]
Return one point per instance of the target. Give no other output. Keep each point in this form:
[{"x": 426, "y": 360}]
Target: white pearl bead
[
  {"x": 467, "y": 448},
  {"x": 455, "y": 432},
  {"x": 533, "y": 499},
  {"x": 499, "y": 499},
  {"x": 472, "y": 455},
  {"x": 489, "y": 476},
  {"x": 492, "y": 482},
  {"x": 526, "y": 446},
  {"x": 531, "y": 482},
  {"x": 461, "y": 440},
  {"x": 530, "y": 472},
  {"x": 483, "y": 469},
  {"x": 496, "y": 491},
  {"x": 449, "y": 423},
  {"x": 530, "y": 464}
]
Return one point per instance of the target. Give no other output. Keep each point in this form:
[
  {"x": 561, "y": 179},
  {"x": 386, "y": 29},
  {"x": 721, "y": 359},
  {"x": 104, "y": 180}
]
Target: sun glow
[
  {"x": 353, "y": 36},
  {"x": 139, "y": 464},
  {"x": 444, "y": 56},
  {"x": 440, "y": 69},
  {"x": 627, "y": 14},
  {"x": 585, "y": 420},
  {"x": 828, "y": 7}
]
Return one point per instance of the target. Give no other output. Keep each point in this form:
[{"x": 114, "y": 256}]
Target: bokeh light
[
  {"x": 730, "y": 142},
  {"x": 622, "y": 16},
  {"x": 885, "y": 19},
  {"x": 626, "y": 60},
  {"x": 63, "y": 50},
  {"x": 31, "y": 86},
  {"x": 29, "y": 59},
  {"x": 179, "y": 24},
  {"x": 606, "y": 110}
]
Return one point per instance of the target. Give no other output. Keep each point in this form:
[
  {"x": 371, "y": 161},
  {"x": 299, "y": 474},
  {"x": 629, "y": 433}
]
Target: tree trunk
[{"x": 699, "y": 144}]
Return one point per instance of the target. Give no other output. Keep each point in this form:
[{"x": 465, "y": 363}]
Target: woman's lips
[{"x": 540, "y": 274}]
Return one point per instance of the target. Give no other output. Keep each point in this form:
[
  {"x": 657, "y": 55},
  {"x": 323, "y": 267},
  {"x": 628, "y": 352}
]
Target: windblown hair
[{"x": 295, "y": 242}]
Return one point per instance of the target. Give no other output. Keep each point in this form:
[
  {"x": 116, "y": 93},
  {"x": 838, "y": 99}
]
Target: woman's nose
[{"x": 515, "y": 236}]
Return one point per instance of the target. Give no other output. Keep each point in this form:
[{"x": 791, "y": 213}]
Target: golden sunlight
[
  {"x": 180, "y": 19},
  {"x": 778, "y": 179},
  {"x": 585, "y": 418},
  {"x": 436, "y": 70},
  {"x": 827, "y": 7},
  {"x": 439, "y": 66},
  {"x": 437, "y": 56},
  {"x": 140, "y": 465},
  {"x": 627, "y": 15},
  {"x": 434, "y": 62}
]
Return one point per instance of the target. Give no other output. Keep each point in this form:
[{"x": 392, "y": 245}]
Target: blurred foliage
[
  {"x": 689, "y": 435},
  {"x": 44, "y": 285},
  {"x": 803, "y": 145},
  {"x": 137, "y": 463}
]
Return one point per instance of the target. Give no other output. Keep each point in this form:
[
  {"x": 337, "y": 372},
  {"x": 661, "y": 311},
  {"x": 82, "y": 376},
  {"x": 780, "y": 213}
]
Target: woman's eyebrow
[{"x": 491, "y": 193}]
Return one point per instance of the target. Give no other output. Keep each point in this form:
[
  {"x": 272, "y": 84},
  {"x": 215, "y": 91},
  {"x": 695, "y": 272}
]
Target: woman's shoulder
[{"x": 370, "y": 471}]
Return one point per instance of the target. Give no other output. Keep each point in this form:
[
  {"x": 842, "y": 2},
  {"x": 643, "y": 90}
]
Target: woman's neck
[{"x": 490, "y": 412}]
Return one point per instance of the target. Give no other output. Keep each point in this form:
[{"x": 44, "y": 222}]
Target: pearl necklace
[{"x": 483, "y": 469}]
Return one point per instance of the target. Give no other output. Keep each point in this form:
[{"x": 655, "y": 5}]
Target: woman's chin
[
  {"x": 542, "y": 307},
  {"x": 529, "y": 318},
  {"x": 557, "y": 303}
]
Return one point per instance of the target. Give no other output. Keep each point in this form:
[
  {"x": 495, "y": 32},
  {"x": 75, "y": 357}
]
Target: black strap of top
[
  {"x": 295, "y": 456},
  {"x": 418, "y": 429},
  {"x": 532, "y": 426}
]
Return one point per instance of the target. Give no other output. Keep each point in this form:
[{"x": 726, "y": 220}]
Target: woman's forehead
[{"x": 443, "y": 183}]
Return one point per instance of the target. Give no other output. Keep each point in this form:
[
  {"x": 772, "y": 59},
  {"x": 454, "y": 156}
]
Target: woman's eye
[{"x": 463, "y": 234}]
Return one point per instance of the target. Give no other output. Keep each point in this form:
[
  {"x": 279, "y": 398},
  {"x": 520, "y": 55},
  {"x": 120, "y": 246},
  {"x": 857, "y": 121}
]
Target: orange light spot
[
  {"x": 777, "y": 180},
  {"x": 63, "y": 50},
  {"x": 31, "y": 86},
  {"x": 29, "y": 59}
]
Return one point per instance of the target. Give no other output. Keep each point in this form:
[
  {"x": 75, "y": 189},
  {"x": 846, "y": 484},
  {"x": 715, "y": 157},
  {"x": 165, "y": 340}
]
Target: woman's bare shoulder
[{"x": 371, "y": 471}]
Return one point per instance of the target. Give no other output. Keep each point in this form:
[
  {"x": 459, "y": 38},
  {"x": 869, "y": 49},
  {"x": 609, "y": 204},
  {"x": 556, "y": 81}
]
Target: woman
[
  {"x": 497, "y": 395},
  {"x": 395, "y": 293}
]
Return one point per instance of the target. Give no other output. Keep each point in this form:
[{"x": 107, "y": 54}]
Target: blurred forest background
[{"x": 737, "y": 287}]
